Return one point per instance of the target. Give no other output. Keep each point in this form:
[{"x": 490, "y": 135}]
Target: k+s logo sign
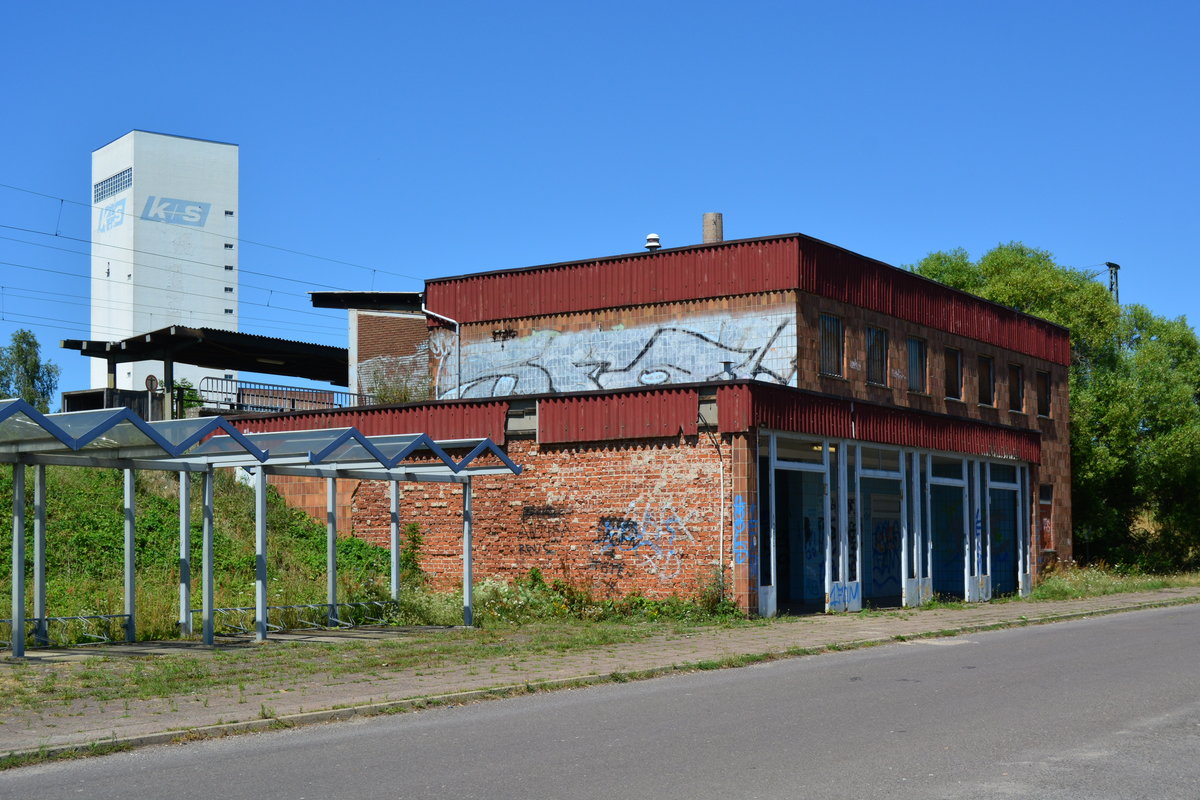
[
  {"x": 111, "y": 216},
  {"x": 177, "y": 212}
]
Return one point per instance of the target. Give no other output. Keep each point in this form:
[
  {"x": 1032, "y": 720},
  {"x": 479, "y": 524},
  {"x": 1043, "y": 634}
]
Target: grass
[{"x": 1078, "y": 582}]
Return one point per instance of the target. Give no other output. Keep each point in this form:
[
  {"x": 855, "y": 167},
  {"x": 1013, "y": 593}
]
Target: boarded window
[
  {"x": 1043, "y": 394},
  {"x": 1016, "y": 388},
  {"x": 987, "y": 382},
  {"x": 953, "y": 374},
  {"x": 917, "y": 366},
  {"x": 832, "y": 345},
  {"x": 877, "y": 356}
]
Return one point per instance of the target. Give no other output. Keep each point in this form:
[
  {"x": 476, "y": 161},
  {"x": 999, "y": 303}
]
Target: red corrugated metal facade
[
  {"x": 654, "y": 413},
  {"x": 637, "y": 414},
  {"x": 464, "y": 420},
  {"x": 745, "y": 267},
  {"x": 742, "y": 267},
  {"x": 741, "y": 407}
]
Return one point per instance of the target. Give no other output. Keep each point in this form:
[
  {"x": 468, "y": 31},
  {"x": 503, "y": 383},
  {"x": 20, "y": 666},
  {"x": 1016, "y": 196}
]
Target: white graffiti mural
[{"x": 761, "y": 347}]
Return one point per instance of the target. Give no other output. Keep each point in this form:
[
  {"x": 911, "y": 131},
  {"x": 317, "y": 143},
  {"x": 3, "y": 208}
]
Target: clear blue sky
[{"x": 427, "y": 139}]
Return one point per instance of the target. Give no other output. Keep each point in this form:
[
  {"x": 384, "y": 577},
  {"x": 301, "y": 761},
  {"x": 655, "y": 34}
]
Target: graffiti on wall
[
  {"x": 542, "y": 529},
  {"x": 649, "y": 531},
  {"x": 762, "y": 347}
]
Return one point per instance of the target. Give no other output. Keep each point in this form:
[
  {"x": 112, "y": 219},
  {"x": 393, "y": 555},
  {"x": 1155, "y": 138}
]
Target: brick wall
[
  {"x": 1055, "y": 467},
  {"x": 392, "y": 353},
  {"x": 619, "y": 517}
]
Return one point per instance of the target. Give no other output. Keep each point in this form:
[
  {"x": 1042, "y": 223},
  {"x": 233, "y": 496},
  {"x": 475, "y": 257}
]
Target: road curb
[{"x": 114, "y": 743}]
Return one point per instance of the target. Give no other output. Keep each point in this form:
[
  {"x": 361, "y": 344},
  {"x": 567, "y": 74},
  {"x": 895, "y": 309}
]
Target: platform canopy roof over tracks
[{"x": 118, "y": 438}]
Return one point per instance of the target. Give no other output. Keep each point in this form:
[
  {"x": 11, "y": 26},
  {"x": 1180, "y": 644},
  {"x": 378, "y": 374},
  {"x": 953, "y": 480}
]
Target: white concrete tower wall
[{"x": 164, "y": 244}]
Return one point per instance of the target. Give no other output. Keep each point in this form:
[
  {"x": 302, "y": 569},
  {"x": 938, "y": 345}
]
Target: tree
[
  {"x": 1135, "y": 415},
  {"x": 23, "y": 374}
]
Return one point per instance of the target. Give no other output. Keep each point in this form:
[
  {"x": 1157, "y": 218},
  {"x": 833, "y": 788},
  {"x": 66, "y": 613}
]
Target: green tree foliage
[
  {"x": 23, "y": 374},
  {"x": 1135, "y": 415}
]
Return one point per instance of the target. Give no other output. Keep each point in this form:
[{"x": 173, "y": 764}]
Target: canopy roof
[
  {"x": 214, "y": 348},
  {"x": 117, "y": 437}
]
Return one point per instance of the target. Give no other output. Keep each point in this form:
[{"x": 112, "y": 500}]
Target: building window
[
  {"x": 114, "y": 185},
  {"x": 877, "y": 356},
  {"x": 228, "y": 246},
  {"x": 229, "y": 267},
  {"x": 833, "y": 346},
  {"x": 1043, "y": 393},
  {"x": 917, "y": 365},
  {"x": 229, "y": 311},
  {"x": 1016, "y": 388},
  {"x": 953, "y": 374},
  {"x": 987, "y": 382},
  {"x": 228, "y": 290},
  {"x": 228, "y": 213}
]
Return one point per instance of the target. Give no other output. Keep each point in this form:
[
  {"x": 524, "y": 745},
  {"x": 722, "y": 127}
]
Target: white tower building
[{"x": 164, "y": 244}]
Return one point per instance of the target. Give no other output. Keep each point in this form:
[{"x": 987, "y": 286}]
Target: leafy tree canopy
[{"x": 23, "y": 374}]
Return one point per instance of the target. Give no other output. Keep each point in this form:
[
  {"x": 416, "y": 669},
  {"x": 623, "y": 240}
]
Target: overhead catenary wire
[{"x": 278, "y": 248}]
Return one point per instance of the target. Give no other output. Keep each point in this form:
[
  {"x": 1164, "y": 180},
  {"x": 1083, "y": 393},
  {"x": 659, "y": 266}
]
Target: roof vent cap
[{"x": 652, "y": 242}]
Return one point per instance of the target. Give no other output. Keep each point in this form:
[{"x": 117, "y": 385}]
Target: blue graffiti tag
[{"x": 741, "y": 544}]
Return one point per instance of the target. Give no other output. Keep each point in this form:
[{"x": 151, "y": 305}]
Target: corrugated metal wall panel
[
  {"x": 469, "y": 420},
  {"x": 735, "y": 268},
  {"x": 743, "y": 407},
  {"x": 739, "y": 268},
  {"x": 621, "y": 415}
]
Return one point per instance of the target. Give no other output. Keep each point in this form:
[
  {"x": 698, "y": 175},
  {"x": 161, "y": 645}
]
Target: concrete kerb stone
[{"x": 348, "y": 712}]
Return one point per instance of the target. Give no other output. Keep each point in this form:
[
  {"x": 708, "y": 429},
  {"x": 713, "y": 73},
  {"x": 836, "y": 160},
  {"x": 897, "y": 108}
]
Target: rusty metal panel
[
  {"x": 637, "y": 414},
  {"x": 449, "y": 420},
  {"x": 742, "y": 267},
  {"x": 703, "y": 271},
  {"x": 951, "y": 434},
  {"x": 741, "y": 407},
  {"x": 840, "y": 275}
]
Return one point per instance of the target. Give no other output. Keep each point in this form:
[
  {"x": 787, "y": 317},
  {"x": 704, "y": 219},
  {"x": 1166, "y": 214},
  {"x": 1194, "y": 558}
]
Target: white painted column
[
  {"x": 18, "y": 561},
  {"x": 467, "y": 577},
  {"x": 905, "y": 600},
  {"x": 331, "y": 549},
  {"x": 394, "y": 536},
  {"x": 260, "y": 554},
  {"x": 41, "y": 634},
  {"x": 206, "y": 559},
  {"x": 130, "y": 560},
  {"x": 826, "y": 507},
  {"x": 185, "y": 552}
]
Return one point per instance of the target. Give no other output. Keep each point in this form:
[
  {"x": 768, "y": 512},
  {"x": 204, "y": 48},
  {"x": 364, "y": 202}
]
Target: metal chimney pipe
[{"x": 714, "y": 227}]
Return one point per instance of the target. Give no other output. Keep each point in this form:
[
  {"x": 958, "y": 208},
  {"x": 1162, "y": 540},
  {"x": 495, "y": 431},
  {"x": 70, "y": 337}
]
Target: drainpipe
[{"x": 457, "y": 347}]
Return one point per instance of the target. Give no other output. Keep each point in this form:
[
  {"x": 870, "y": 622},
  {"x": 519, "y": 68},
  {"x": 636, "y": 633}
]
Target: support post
[
  {"x": 331, "y": 549},
  {"x": 206, "y": 559},
  {"x": 41, "y": 635},
  {"x": 185, "y": 553},
  {"x": 130, "y": 556},
  {"x": 18, "y": 561},
  {"x": 394, "y": 537},
  {"x": 260, "y": 554},
  {"x": 467, "y": 578}
]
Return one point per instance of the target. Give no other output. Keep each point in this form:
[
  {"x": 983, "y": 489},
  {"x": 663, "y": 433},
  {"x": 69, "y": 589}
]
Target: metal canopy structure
[
  {"x": 120, "y": 439},
  {"x": 220, "y": 349}
]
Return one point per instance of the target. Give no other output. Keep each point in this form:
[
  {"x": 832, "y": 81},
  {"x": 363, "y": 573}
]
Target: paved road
[{"x": 1097, "y": 708}]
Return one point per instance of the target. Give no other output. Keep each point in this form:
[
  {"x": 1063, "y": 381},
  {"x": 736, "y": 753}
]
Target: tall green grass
[{"x": 85, "y": 550}]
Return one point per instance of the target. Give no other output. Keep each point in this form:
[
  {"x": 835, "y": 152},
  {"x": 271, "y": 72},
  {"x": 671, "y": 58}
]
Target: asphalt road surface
[{"x": 1098, "y": 708}]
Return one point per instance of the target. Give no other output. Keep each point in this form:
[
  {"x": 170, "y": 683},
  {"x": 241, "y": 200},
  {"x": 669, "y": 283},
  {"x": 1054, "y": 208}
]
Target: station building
[{"x": 808, "y": 428}]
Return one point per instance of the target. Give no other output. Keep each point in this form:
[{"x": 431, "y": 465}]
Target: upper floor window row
[{"x": 832, "y": 345}]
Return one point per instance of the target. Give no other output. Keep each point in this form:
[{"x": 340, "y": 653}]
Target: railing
[{"x": 245, "y": 396}]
